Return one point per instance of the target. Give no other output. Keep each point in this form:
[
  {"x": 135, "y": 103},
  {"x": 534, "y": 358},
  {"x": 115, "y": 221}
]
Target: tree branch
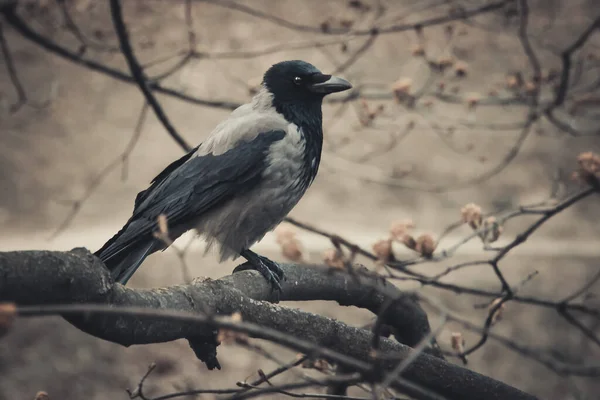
[
  {"x": 43, "y": 277},
  {"x": 456, "y": 14},
  {"x": 12, "y": 73},
  {"x": 138, "y": 74},
  {"x": 20, "y": 26}
]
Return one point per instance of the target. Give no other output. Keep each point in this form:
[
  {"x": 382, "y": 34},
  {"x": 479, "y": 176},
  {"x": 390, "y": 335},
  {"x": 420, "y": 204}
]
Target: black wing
[
  {"x": 141, "y": 196},
  {"x": 188, "y": 188}
]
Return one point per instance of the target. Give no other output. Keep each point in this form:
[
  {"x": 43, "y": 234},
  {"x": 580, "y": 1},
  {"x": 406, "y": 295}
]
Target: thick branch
[
  {"x": 41, "y": 277},
  {"x": 44, "y": 277}
]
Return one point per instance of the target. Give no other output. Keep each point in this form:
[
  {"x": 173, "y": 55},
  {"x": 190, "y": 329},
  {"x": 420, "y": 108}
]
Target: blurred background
[{"x": 444, "y": 113}]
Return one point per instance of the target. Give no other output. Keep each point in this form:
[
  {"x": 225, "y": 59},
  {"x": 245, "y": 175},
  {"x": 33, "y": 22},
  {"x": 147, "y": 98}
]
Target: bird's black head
[
  {"x": 298, "y": 89},
  {"x": 300, "y": 82}
]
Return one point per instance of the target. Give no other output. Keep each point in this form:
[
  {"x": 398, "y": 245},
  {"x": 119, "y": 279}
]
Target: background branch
[{"x": 139, "y": 76}]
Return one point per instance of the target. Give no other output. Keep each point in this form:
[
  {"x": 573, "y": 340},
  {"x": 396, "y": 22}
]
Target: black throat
[{"x": 307, "y": 115}]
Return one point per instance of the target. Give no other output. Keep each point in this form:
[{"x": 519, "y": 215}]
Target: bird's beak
[{"x": 332, "y": 85}]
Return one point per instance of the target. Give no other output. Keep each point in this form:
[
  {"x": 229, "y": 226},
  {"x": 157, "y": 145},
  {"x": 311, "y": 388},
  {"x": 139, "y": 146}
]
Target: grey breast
[{"x": 243, "y": 220}]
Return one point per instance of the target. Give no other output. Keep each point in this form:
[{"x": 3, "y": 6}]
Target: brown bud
[
  {"x": 445, "y": 62},
  {"x": 291, "y": 250},
  {"x": 400, "y": 228},
  {"x": 458, "y": 343},
  {"x": 8, "y": 313},
  {"x": 383, "y": 250},
  {"x": 346, "y": 23},
  {"x": 460, "y": 69},
  {"x": 425, "y": 245},
  {"x": 41, "y": 395},
  {"x": 402, "y": 85},
  {"x": 473, "y": 100},
  {"x": 471, "y": 214},
  {"x": 291, "y": 247},
  {"x": 334, "y": 258},
  {"x": 227, "y": 336},
  {"x": 514, "y": 81},
  {"x": 530, "y": 87},
  {"x": 589, "y": 168},
  {"x": 163, "y": 225},
  {"x": 418, "y": 50},
  {"x": 319, "y": 364},
  {"x": 163, "y": 229},
  {"x": 284, "y": 233}
]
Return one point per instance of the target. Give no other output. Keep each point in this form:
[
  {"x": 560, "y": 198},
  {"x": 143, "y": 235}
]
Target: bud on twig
[
  {"x": 8, "y": 312},
  {"x": 425, "y": 245},
  {"x": 334, "y": 258},
  {"x": 399, "y": 229},
  {"x": 471, "y": 214},
  {"x": 383, "y": 250},
  {"x": 589, "y": 169},
  {"x": 458, "y": 343},
  {"x": 291, "y": 247},
  {"x": 227, "y": 336},
  {"x": 41, "y": 395}
]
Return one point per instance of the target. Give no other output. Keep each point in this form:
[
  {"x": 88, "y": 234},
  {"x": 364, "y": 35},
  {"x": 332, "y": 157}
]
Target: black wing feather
[
  {"x": 141, "y": 196},
  {"x": 190, "y": 187}
]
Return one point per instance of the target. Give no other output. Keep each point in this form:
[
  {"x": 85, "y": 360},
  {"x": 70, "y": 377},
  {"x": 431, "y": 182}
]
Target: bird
[{"x": 239, "y": 183}]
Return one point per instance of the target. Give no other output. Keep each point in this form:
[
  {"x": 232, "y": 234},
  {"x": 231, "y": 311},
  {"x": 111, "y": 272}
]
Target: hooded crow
[{"x": 241, "y": 182}]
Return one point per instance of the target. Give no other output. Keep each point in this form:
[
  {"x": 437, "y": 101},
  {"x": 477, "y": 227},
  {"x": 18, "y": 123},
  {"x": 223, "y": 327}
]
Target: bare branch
[
  {"x": 451, "y": 16},
  {"x": 122, "y": 159},
  {"x": 146, "y": 316},
  {"x": 138, "y": 73},
  {"x": 12, "y": 73},
  {"x": 20, "y": 26},
  {"x": 566, "y": 55}
]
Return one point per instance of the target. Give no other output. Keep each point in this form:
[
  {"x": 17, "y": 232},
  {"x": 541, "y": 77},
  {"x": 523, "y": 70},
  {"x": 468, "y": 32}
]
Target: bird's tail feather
[{"x": 122, "y": 268}]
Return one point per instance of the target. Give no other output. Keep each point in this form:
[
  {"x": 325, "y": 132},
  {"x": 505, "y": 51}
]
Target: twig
[
  {"x": 122, "y": 159},
  {"x": 448, "y": 17},
  {"x": 566, "y": 55},
  {"x": 12, "y": 73},
  {"x": 138, "y": 73},
  {"x": 425, "y": 343},
  {"x": 20, "y": 26}
]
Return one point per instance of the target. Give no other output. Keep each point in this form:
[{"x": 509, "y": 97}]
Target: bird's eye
[{"x": 297, "y": 80}]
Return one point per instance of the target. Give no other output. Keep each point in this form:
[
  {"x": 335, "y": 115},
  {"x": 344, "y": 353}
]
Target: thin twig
[
  {"x": 12, "y": 73},
  {"x": 138, "y": 73}
]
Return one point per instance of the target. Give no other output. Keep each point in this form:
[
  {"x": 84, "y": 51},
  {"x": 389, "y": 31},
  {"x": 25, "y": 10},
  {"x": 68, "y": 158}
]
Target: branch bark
[{"x": 44, "y": 277}]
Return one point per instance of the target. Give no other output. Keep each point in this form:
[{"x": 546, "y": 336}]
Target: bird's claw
[{"x": 271, "y": 271}]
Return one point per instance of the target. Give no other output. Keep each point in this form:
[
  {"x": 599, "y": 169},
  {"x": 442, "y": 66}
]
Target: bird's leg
[{"x": 269, "y": 269}]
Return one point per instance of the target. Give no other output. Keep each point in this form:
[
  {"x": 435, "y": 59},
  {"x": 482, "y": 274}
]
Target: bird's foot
[{"x": 269, "y": 269}]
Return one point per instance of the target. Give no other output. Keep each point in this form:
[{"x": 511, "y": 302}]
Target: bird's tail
[
  {"x": 123, "y": 270},
  {"x": 123, "y": 259}
]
